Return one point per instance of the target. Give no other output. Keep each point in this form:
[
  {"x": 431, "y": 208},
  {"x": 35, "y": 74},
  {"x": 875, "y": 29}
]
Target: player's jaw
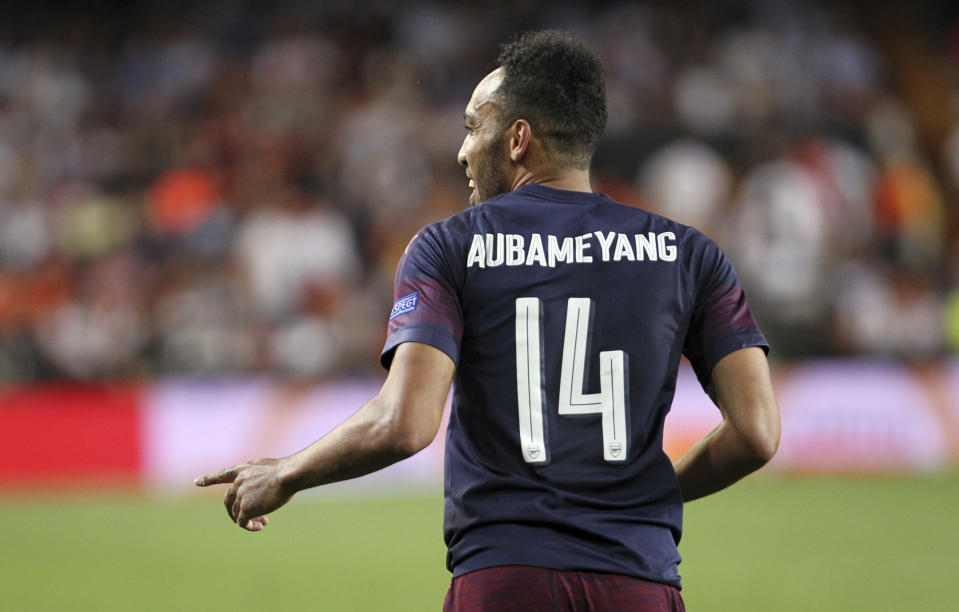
[{"x": 488, "y": 172}]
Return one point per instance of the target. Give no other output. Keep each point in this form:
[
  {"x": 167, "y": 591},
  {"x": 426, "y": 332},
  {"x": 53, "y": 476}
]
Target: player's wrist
[{"x": 289, "y": 475}]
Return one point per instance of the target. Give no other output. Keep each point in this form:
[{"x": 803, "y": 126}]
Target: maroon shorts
[{"x": 534, "y": 589}]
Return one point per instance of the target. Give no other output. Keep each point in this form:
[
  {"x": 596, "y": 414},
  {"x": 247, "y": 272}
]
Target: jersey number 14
[{"x": 610, "y": 402}]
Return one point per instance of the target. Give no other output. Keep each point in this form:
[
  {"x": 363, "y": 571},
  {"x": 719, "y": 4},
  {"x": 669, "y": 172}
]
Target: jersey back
[{"x": 566, "y": 314}]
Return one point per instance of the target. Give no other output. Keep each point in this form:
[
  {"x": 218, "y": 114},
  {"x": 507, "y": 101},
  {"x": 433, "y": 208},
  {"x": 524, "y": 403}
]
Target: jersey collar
[{"x": 551, "y": 194}]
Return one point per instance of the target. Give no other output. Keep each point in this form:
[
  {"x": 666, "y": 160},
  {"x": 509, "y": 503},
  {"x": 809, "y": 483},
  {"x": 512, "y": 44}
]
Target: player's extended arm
[
  {"x": 400, "y": 421},
  {"x": 748, "y": 435}
]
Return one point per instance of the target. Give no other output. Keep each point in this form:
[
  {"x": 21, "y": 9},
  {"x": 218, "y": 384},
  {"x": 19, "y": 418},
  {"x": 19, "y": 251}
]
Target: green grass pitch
[{"x": 767, "y": 544}]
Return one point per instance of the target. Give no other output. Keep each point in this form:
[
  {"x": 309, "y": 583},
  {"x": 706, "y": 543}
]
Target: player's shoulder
[
  {"x": 698, "y": 250},
  {"x": 443, "y": 239},
  {"x": 459, "y": 227},
  {"x": 449, "y": 231},
  {"x": 688, "y": 236},
  {"x": 695, "y": 239}
]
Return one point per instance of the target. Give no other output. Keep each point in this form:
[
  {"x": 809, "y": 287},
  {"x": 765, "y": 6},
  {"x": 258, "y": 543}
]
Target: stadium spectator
[{"x": 96, "y": 117}]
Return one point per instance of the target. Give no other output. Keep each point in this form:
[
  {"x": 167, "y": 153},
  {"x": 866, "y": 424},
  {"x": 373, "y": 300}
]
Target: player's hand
[{"x": 255, "y": 491}]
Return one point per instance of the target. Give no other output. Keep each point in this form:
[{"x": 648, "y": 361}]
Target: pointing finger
[{"x": 223, "y": 476}]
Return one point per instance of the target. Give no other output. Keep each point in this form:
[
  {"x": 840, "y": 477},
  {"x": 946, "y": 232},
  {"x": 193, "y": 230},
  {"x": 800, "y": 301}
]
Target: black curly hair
[{"x": 555, "y": 82}]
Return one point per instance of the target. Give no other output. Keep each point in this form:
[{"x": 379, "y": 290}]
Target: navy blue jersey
[{"x": 566, "y": 314}]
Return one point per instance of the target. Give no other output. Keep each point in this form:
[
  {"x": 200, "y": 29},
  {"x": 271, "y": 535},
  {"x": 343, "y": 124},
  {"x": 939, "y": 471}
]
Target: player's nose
[{"x": 461, "y": 155}]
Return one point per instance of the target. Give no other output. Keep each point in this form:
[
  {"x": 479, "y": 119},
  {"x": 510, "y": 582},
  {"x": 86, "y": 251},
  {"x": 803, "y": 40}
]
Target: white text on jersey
[{"x": 492, "y": 250}]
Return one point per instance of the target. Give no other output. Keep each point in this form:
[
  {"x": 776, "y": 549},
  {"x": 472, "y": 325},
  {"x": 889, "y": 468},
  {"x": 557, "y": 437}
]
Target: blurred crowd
[{"x": 220, "y": 188}]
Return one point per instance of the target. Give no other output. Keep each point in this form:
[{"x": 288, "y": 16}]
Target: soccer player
[{"x": 561, "y": 315}]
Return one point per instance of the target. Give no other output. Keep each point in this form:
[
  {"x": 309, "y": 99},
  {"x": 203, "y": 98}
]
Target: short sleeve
[
  {"x": 426, "y": 305},
  {"x": 721, "y": 321}
]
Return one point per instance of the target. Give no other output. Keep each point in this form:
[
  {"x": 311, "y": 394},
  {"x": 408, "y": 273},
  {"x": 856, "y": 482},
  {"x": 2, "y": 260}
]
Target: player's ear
[{"x": 519, "y": 137}]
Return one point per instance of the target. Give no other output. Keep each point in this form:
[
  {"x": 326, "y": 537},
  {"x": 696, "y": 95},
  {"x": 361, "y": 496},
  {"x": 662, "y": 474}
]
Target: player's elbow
[
  {"x": 764, "y": 446},
  {"x": 401, "y": 434},
  {"x": 407, "y": 441},
  {"x": 762, "y": 437}
]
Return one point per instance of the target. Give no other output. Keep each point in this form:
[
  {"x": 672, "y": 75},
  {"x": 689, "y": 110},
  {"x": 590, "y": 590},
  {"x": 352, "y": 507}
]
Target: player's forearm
[
  {"x": 400, "y": 421},
  {"x": 718, "y": 460},
  {"x": 367, "y": 441}
]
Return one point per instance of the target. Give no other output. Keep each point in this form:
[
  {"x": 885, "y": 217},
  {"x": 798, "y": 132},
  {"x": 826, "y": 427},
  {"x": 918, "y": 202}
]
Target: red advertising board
[
  {"x": 842, "y": 416},
  {"x": 52, "y": 434}
]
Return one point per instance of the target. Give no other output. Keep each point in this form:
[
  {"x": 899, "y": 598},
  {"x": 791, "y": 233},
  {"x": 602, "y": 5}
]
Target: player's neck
[{"x": 570, "y": 179}]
